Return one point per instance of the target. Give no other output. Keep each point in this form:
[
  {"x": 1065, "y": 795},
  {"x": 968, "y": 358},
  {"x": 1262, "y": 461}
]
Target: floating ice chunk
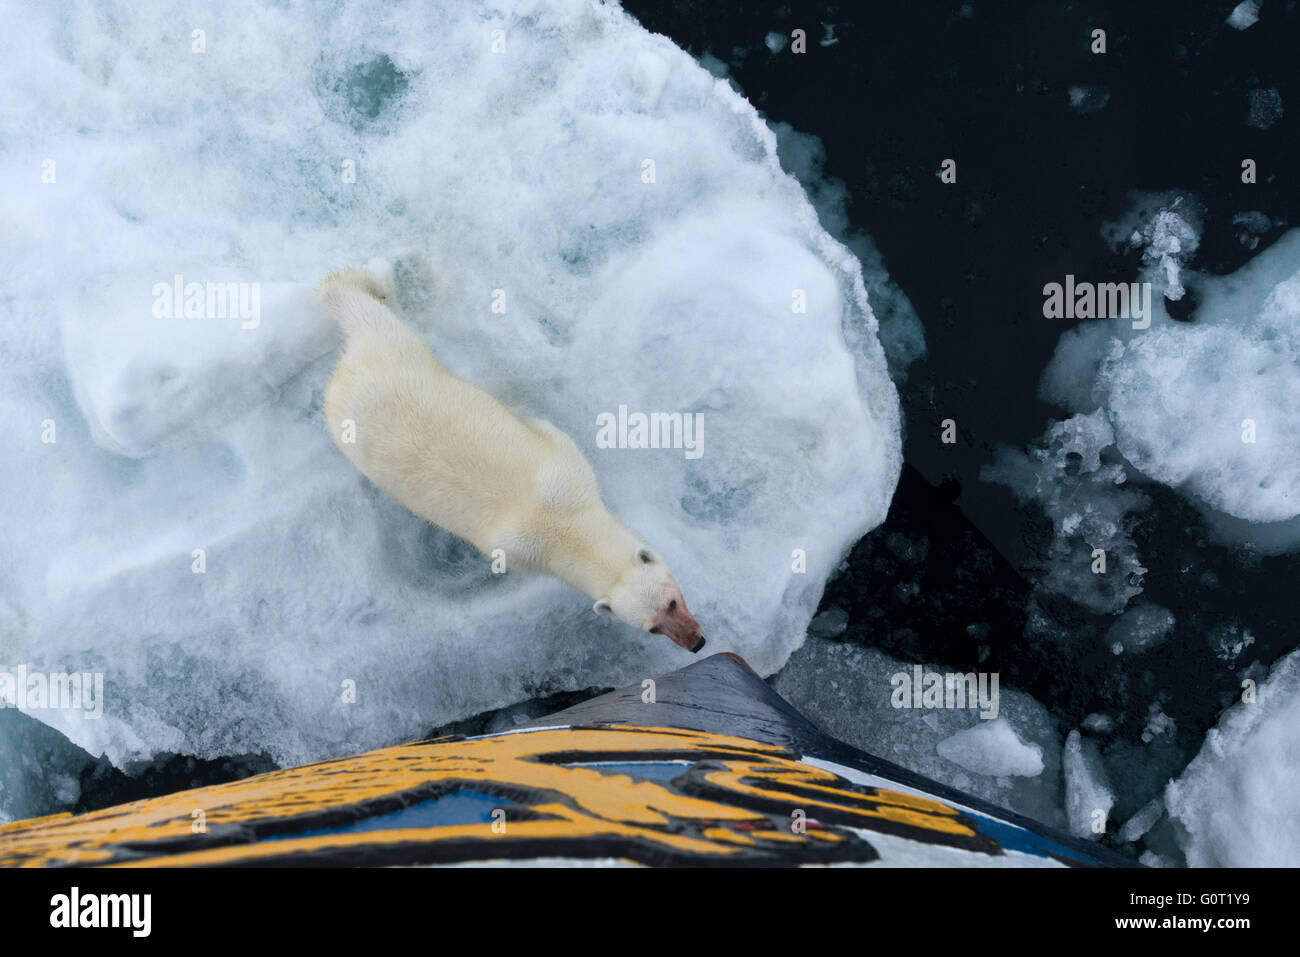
[
  {"x": 1167, "y": 228},
  {"x": 829, "y": 624},
  {"x": 193, "y": 533},
  {"x": 1137, "y": 771},
  {"x": 1253, "y": 221},
  {"x": 1098, "y": 723},
  {"x": 1088, "y": 796},
  {"x": 1089, "y": 98},
  {"x": 1229, "y": 641},
  {"x": 1141, "y": 627},
  {"x": 1213, "y": 408},
  {"x": 1237, "y": 804},
  {"x": 1207, "y": 409},
  {"x": 714, "y": 65},
  {"x": 1254, "y": 224},
  {"x": 1142, "y": 821},
  {"x": 1210, "y": 407},
  {"x": 775, "y": 41},
  {"x": 1090, "y": 507},
  {"x": 1158, "y": 725},
  {"x": 1171, "y": 242},
  {"x": 1244, "y": 15},
  {"x": 39, "y": 770},
  {"x": 992, "y": 748},
  {"x": 1263, "y": 107},
  {"x": 847, "y": 690}
]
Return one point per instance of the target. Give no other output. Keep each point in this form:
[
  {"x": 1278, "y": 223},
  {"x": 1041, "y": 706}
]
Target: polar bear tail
[{"x": 348, "y": 294}]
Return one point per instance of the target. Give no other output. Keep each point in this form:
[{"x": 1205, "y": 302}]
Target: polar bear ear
[
  {"x": 603, "y": 607},
  {"x": 644, "y": 556}
]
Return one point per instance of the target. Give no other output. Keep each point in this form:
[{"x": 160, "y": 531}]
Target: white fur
[{"x": 456, "y": 456}]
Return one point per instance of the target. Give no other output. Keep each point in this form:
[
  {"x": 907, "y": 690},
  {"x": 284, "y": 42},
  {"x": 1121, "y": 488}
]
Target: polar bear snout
[
  {"x": 675, "y": 620},
  {"x": 647, "y": 598}
]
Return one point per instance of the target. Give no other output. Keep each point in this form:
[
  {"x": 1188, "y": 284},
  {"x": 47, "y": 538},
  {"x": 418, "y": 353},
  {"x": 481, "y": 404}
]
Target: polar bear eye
[{"x": 643, "y": 554}]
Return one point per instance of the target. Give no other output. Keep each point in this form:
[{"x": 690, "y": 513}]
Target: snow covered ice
[
  {"x": 1208, "y": 405},
  {"x": 627, "y": 208},
  {"x": 1236, "y": 804},
  {"x": 992, "y": 748},
  {"x": 1225, "y": 430},
  {"x": 1244, "y": 15},
  {"x": 1088, "y": 796}
]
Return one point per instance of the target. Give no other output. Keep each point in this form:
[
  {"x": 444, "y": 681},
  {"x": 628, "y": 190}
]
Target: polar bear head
[{"x": 646, "y": 596}]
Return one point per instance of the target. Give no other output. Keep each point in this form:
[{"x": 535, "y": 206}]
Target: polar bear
[{"x": 456, "y": 456}]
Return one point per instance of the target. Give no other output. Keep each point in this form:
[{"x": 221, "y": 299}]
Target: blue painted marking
[
  {"x": 646, "y": 770},
  {"x": 1014, "y": 838},
  {"x": 460, "y": 807}
]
